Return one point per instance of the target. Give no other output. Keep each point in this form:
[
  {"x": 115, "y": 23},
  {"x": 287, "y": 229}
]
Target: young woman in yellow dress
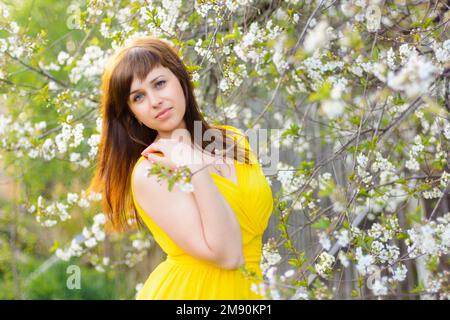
[{"x": 212, "y": 235}]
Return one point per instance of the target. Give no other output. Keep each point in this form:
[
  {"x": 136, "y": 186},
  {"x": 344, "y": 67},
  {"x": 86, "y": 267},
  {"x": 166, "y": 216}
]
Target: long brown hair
[{"x": 123, "y": 138}]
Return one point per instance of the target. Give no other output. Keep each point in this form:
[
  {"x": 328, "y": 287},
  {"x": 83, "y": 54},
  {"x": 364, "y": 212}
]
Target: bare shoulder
[
  {"x": 149, "y": 187},
  {"x": 140, "y": 177},
  {"x": 173, "y": 211}
]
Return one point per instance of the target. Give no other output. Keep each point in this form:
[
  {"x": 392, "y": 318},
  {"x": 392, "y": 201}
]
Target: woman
[{"x": 212, "y": 234}]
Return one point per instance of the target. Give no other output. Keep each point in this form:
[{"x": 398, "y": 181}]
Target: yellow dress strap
[{"x": 241, "y": 140}]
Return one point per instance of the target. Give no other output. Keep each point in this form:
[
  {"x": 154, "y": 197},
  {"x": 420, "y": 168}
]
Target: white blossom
[
  {"x": 64, "y": 57},
  {"x": 91, "y": 242},
  {"x": 100, "y": 218},
  {"x": 442, "y": 52},
  {"x": 324, "y": 241},
  {"x": 317, "y": 37},
  {"x": 363, "y": 261},
  {"x": 390, "y": 59},
  {"x": 399, "y": 274},
  {"x": 412, "y": 164},
  {"x": 270, "y": 257},
  {"x": 332, "y": 108},
  {"x": 414, "y": 78},
  {"x": 362, "y": 160},
  {"x": 379, "y": 286},
  {"x": 343, "y": 259},
  {"x": 325, "y": 263},
  {"x": 446, "y": 131},
  {"x": 373, "y": 18},
  {"x": 343, "y": 238},
  {"x": 90, "y": 66}
]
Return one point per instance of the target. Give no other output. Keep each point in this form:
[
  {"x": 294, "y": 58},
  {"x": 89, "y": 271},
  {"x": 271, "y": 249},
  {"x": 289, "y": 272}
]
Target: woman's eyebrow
[{"x": 150, "y": 82}]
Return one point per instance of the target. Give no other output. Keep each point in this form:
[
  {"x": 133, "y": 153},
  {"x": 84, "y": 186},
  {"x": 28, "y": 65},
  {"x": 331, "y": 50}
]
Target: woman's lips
[{"x": 164, "y": 114}]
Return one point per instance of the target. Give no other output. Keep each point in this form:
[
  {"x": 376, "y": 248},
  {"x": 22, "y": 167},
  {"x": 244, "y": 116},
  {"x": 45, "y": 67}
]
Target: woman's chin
[{"x": 169, "y": 126}]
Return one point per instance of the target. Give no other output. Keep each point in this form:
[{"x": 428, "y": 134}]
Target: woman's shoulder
[
  {"x": 137, "y": 167},
  {"x": 138, "y": 162},
  {"x": 140, "y": 177}
]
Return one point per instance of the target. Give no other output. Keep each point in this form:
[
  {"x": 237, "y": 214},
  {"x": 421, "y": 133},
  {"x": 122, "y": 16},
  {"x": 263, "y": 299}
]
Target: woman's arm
[
  {"x": 201, "y": 223},
  {"x": 221, "y": 227}
]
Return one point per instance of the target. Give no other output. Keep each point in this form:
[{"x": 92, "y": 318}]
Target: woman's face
[{"x": 160, "y": 91}]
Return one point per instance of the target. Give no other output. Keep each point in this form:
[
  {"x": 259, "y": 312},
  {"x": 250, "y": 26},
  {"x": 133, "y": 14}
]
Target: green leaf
[
  {"x": 372, "y": 144},
  {"x": 54, "y": 247},
  {"x": 427, "y": 22},
  {"x": 438, "y": 165},
  {"x": 311, "y": 269},
  {"x": 363, "y": 192},
  {"x": 293, "y": 130},
  {"x": 419, "y": 288},
  {"x": 328, "y": 190},
  {"x": 295, "y": 263},
  {"x": 322, "y": 94},
  {"x": 355, "y": 120},
  {"x": 424, "y": 187},
  {"x": 375, "y": 53},
  {"x": 351, "y": 177},
  {"x": 322, "y": 223},
  {"x": 398, "y": 100},
  {"x": 402, "y": 235}
]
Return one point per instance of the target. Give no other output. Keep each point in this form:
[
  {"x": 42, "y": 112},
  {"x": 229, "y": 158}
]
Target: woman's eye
[
  {"x": 159, "y": 84},
  {"x": 136, "y": 97}
]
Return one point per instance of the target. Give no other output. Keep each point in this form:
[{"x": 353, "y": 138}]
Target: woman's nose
[{"x": 154, "y": 100}]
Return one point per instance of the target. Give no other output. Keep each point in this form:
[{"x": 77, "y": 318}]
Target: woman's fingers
[
  {"x": 172, "y": 153},
  {"x": 159, "y": 146},
  {"x": 155, "y": 153},
  {"x": 154, "y": 147},
  {"x": 153, "y": 158}
]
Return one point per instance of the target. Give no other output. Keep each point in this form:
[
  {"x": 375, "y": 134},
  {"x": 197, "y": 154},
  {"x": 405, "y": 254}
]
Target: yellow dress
[{"x": 182, "y": 276}]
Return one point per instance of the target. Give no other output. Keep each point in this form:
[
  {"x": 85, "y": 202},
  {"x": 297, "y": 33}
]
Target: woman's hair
[{"x": 123, "y": 138}]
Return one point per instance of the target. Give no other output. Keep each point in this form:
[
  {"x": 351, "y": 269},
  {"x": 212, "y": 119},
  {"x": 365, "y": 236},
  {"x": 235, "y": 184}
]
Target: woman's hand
[{"x": 174, "y": 154}]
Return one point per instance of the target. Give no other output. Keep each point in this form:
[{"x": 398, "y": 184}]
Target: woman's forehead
[{"x": 154, "y": 73}]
